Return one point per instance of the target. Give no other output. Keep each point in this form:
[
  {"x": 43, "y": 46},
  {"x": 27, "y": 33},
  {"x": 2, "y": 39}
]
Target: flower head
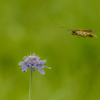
[{"x": 31, "y": 62}]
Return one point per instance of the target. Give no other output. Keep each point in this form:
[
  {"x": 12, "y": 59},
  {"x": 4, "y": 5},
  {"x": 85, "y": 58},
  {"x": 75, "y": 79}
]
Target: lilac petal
[
  {"x": 47, "y": 67},
  {"x": 21, "y": 63},
  {"x": 42, "y": 62},
  {"x": 24, "y": 68},
  {"x": 32, "y": 65},
  {"x": 41, "y": 71},
  {"x": 33, "y": 69},
  {"x": 40, "y": 65}
]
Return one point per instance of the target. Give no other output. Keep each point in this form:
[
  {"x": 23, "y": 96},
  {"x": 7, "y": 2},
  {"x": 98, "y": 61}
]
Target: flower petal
[
  {"x": 47, "y": 67},
  {"x": 33, "y": 69},
  {"x": 41, "y": 71},
  {"x": 24, "y": 68},
  {"x": 40, "y": 65},
  {"x": 21, "y": 63},
  {"x": 42, "y": 62}
]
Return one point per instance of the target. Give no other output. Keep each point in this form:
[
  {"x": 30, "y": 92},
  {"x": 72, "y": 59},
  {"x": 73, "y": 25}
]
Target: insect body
[{"x": 83, "y": 33}]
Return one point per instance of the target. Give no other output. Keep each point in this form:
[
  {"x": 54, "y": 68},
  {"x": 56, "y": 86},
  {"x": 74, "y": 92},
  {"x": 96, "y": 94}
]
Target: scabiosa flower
[{"x": 31, "y": 62}]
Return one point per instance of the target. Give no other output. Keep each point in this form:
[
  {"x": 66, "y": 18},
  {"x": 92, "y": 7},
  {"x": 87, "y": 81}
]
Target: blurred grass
[{"x": 35, "y": 27}]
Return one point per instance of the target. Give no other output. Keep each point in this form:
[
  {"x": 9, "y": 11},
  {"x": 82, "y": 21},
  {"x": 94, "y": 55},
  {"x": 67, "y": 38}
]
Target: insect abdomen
[{"x": 92, "y": 35}]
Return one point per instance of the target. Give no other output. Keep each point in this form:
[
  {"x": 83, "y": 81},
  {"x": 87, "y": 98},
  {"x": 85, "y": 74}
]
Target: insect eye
[{"x": 73, "y": 33}]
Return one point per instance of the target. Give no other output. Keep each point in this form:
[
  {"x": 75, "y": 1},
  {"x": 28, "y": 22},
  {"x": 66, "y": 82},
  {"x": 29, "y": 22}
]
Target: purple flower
[{"x": 31, "y": 62}]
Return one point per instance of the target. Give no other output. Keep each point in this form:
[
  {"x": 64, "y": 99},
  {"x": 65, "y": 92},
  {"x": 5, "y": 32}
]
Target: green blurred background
[{"x": 34, "y": 26}]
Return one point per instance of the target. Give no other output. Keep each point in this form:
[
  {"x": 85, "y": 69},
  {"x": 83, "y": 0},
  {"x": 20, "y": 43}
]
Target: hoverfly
[{"x": 83, "y": 33}]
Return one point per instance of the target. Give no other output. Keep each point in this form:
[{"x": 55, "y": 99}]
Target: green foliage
[{"x": 35, "y": 27}]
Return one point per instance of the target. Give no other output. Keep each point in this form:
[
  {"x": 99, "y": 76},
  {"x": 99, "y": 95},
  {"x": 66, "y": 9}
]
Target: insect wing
[{"x": 89, "y": 30}]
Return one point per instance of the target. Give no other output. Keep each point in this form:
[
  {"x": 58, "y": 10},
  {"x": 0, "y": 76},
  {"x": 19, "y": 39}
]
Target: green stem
[{"x": 30, "y": 86}]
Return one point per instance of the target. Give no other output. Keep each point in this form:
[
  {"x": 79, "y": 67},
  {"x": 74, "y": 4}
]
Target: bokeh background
[{"x": 34, "y": 26}]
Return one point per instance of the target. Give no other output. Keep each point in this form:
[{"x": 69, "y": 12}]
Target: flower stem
[{"x": 30, "y": 86}]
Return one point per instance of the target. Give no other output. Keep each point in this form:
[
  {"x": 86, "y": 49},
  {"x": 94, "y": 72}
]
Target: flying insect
[{"x": 82, "y": 33}]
